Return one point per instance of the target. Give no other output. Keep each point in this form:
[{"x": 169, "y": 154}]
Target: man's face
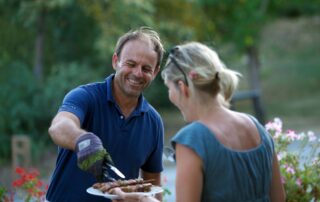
[{"x": 135, "y": 67}]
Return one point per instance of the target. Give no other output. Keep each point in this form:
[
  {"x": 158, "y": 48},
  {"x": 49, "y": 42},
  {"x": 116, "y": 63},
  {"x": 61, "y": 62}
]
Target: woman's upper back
[
  {"x": 234, "y": 130},
  {"x": 233, "y": 170}
]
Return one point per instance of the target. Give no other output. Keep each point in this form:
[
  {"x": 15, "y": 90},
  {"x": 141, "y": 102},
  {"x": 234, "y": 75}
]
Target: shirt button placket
[
  {"x": 122, "y": 121},
  {"x": 123, "y": 124}
]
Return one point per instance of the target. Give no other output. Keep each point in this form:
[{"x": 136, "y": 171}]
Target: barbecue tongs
[{"x": 107, "y": 167}]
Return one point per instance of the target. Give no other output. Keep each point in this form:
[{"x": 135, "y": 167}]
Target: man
[{"x": 110, "y": 122}]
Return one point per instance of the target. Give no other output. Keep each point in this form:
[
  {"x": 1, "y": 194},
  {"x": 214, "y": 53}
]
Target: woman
[{"x": 221, "y": 155}]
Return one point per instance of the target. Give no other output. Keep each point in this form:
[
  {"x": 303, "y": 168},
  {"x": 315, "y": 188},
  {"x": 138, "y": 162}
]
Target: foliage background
[{"x": 49, "y": 47}]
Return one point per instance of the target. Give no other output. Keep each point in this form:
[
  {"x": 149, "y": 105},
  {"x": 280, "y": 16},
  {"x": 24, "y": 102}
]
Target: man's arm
[
  {"x": 65, "y": 130},
  {"x": 157, "y": 177}
]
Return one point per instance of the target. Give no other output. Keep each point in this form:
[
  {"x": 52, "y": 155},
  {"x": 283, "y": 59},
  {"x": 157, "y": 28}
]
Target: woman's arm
[
  {"x": 277, "y": 193},
  {"x": 189, "y": 179}
]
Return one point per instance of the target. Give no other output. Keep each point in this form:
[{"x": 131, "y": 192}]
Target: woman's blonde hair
[{"x": 201, "y": 68}]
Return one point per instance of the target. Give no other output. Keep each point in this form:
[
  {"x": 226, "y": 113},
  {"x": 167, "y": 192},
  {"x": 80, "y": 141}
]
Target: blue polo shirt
[{"x": 134, "y": 142}]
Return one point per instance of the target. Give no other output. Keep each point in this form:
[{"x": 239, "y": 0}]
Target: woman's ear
[{"x": 184, "y": 89}]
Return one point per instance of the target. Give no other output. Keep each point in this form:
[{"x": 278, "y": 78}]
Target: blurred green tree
[
  {"x": 240, "y": 23},
  {"x": 64, "y": 43}
]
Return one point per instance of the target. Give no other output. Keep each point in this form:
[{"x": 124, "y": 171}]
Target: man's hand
[{"x": 91, "y": 155}]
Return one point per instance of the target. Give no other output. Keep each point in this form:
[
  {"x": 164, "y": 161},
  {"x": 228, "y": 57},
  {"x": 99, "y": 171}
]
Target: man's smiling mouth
[{"x": 134, "y": 82}]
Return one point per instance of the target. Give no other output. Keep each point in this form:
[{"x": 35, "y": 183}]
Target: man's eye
[
  {"x": 147, "y": 70},
  {"x": 130, "y": 64}
]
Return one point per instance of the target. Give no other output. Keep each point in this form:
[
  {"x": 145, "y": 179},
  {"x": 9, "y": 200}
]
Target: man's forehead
[
  {"x": 143, "y": 41},
  {"x": 138, "y": 47}
]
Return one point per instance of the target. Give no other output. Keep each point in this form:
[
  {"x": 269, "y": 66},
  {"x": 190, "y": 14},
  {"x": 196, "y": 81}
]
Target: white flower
[
  {"x": 312, "y": 136},
  {"x": 315, "y": 160},
  {"x": 281, "y": 155},
  {"x": 301, "y": 136},
  {"x": 309, "y": 189}
]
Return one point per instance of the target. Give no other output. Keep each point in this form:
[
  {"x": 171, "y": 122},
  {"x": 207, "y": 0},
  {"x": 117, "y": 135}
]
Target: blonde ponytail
[
  {"x": 228, "y": 82},
  {"x": 201, "y": 68}
]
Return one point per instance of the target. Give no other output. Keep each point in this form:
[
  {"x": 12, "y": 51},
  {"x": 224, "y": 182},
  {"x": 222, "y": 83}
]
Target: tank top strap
[{"x": 265, "y": 136}]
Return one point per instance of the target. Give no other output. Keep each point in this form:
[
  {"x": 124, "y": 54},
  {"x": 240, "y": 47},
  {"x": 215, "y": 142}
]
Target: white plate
[{"x": 97, "y": 192}]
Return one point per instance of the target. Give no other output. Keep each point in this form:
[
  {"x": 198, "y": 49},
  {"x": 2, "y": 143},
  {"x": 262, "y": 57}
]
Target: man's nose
[{"x": 138, "y": 71}]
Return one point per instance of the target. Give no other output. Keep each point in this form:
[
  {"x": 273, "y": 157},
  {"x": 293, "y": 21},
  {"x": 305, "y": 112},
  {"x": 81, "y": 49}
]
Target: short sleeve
[
  {"x": 154, "y": 162},
  {"x": 191, "y": 136},
  {"x": 77, "y": 101}
]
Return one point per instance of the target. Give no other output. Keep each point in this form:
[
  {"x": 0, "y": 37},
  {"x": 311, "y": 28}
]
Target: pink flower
[
  {"x": 291, "y": 135},
  {"x": 275, "y": 126},
  {"x": 299, "y": 182},
  {"x": 290, "y": 169}
]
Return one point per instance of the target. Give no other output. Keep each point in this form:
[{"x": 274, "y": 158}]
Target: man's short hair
[{"x": 140, "y": 33}]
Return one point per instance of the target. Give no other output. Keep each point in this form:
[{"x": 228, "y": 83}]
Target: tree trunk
[
  {"x": 39, "y": 43},
  {"x": 254, "y": 67},
  {"x": 254, "y": 82}
]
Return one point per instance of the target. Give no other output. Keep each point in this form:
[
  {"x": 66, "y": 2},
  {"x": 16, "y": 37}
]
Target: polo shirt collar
[{"x": 143, "y": 105}]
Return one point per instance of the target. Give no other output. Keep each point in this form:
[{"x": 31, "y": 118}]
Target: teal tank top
[{"x": 230, "y": 175}]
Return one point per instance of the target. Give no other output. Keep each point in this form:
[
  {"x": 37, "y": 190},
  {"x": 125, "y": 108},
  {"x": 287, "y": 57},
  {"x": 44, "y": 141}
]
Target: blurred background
[{"x": 48, "y": 47}]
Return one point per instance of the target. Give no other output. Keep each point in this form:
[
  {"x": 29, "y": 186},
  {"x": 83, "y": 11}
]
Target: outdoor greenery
[
  {"x": 299, "y": 167},
  {"x": 51, "y": 46}
]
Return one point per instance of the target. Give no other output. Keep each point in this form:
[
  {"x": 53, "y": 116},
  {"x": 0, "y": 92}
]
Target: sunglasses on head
[{"x": 172, "y": 53}]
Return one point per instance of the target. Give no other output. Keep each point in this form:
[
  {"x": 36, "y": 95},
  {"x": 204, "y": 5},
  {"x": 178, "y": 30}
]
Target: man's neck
[{"x": 127, "y": 104}]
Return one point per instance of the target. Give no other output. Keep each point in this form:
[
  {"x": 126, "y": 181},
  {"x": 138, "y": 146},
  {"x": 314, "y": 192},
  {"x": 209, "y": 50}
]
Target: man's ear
[
  {"x": 115, "y": 60},
  {"x": 184, "y": 89}
]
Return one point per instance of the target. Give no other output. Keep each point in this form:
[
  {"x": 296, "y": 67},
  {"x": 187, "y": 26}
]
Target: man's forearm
[
  {"x": 156, "y": 177},
  {"x": 64, "y": 131}
]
